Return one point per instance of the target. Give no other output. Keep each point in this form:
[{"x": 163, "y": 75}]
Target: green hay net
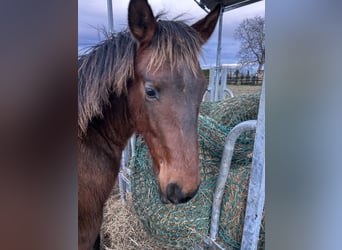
[
  {"x": 232, "y": 111},
  {"x": 186, "y": 225}
]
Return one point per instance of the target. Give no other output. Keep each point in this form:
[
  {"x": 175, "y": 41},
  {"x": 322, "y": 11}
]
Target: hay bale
[
  {"x": 232, "y": 111},
  {"x": 185, "y": 225}
]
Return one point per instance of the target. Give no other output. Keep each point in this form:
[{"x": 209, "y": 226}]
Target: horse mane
[{"x": 109, "y": 65}]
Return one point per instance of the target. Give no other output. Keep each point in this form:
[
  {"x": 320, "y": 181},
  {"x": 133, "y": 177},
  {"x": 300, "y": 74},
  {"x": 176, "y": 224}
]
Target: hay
[
  {"x": 232, "y": 111},
  {"x": 121, "y": 229}
]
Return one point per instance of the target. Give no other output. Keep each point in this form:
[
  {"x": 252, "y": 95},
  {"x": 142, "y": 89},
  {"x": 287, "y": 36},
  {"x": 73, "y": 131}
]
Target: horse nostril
[
  {"x": 175, "y": 195},
  {"x": 173, "y": 192},
  {"x": 163, "y": 197}
]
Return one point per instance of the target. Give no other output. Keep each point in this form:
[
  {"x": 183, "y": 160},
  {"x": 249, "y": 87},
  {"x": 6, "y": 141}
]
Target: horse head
[{"x": 166, "y": 93}]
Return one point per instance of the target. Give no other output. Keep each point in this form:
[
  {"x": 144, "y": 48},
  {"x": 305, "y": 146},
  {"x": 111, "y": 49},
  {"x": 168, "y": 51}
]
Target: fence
[
  {"x": 236, "y": 76},
  {"x": 219, "y": 77}
]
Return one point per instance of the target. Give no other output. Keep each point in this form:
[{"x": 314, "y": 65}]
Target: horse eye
[{"x": 151, "y": 93}]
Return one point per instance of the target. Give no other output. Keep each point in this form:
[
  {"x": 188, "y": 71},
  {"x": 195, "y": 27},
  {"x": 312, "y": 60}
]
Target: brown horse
[{"x": 147, "y": 81}]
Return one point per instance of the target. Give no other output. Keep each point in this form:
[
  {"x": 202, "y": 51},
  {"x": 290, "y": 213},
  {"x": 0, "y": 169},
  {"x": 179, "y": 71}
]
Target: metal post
[
  {"x": 110, "y": 16},
  {"x": 256, "y": 190},
  {"x": 218, "y": 57}
]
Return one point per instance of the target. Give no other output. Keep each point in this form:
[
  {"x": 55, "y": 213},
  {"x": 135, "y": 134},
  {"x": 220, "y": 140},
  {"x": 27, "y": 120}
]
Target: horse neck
[{"x": 112, "y": 132}]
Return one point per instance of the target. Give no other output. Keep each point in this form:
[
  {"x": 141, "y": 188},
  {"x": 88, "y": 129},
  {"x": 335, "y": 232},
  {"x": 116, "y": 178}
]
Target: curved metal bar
[
  {"x": 229, "y": 91},
  {"x": 224, "y": 88},
  {"x": 132, "y": 142},
  {"x": 224, "y": 171}
]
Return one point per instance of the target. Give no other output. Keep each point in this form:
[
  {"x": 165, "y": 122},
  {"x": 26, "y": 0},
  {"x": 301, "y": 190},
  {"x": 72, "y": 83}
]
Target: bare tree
[{"x": 251, "y": 35}]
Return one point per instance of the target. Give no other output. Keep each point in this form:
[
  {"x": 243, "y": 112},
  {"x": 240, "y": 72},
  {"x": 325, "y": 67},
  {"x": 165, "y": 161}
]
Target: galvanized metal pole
[
  {"x": 218, "y": 58},
  {"x": 218, "y": 55},
  {"x": 110, "y": 16},
  {"x": 256, "y": 190}
]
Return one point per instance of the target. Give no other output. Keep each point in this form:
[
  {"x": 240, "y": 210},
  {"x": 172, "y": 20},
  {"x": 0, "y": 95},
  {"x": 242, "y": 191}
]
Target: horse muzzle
[{"x": 175, "y": 195}]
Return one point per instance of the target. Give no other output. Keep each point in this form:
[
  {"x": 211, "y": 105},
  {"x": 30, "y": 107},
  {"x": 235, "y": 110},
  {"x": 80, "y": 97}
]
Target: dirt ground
[
  {"x": 121, "y": 229},
  {"x": 244, "y": 89}
]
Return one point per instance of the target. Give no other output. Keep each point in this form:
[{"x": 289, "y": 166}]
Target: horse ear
[
  {"x": 141, "y": 21},
  {"x": 206, "y": 26}
]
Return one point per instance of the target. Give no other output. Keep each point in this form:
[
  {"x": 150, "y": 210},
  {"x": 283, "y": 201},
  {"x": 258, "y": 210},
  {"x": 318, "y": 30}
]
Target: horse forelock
[{"x": 176, "y": 43}]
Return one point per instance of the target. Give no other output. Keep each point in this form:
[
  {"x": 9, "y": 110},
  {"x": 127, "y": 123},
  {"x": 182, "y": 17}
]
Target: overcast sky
[{"x": 92, "y": 14}]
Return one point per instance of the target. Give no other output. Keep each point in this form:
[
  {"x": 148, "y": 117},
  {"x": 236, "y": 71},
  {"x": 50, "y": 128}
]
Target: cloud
[{"x": 92, "y": 15}]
